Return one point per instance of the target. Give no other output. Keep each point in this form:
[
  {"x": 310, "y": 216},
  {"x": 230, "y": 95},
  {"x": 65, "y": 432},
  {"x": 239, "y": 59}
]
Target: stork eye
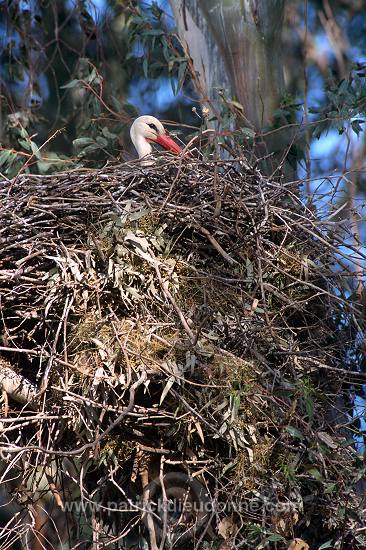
[{"x": 152, "y": 126}]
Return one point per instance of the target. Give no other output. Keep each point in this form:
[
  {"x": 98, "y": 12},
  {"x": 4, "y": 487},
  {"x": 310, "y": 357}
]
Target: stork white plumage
[{"x": 146, "y": 130}]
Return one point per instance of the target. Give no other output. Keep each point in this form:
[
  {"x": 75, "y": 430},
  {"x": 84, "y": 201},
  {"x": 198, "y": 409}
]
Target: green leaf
[
  {"x": 43, "y": 166},
  {"x": 294, "y": 432},
  {"x": 117, "y": 105},
  {"x": 107, "y": 134},
  {"x": 328, "y": 544},
  {"x": 36, "y": 152},
  {"x": 82, "y": 142},
  {"x": 71, "y": 84},
  {"x": 275, "y": 538},
  {"x": 102, "y": 141},
  {"x": 235, "y": 406},
  {"x": 52, "y": 160},
  {"x": 236, "y": 104},
  {"x": 92, "y": 76},
  {"x": 341, "y": 512},
  {"x": 23, "y": 132},
  {"x": 248, "y": 132},
  {"x": 181, "y": 74},
  {"x": 309, "y": 406},
  {"x": 25, "y": 144},
  {"x": 330, "y": 488},
  {"x": 279, "y": 113},
  {"x": 154, "y": 32},
  {"x": 145, "y": 66},
  {"x": 343, "y": 87},
  {"x": 166, "y": 51},
  {"x": 356, "y": 126},
  {"x": 95, "y": 103},
  {"x": 172, "y": 83},
  {"x": 90, "y": 149},
  {"x": 316, "y": 474},
  {"x": 5, "y": 155}
]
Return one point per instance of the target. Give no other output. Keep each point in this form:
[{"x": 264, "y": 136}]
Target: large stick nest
[{"x": 182, "y": 320}]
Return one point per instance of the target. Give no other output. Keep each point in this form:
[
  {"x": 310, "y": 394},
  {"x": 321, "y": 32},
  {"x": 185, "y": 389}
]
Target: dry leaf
[
  {"x": 326, "y": 438},
  {"x": 298, "y": 544},
  {"x": 200, "y": 432},
  {"x": 227, "y": 528},
  {"x": 167, "y": 387}
]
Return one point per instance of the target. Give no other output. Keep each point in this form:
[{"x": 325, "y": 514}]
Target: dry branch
[{"x": 215, "y": 343}]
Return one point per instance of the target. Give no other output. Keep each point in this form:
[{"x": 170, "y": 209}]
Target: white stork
[{"x": 146, "y": 130}]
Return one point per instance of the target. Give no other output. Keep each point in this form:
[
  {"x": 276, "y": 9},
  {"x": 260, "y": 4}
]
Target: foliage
[
  {"x": 345, "y": 105},
  {"x": 81, "y": 96}
]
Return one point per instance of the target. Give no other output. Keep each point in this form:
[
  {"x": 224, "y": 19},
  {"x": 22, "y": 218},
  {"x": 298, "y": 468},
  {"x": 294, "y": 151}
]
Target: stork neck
[{"x": 143, "y": 147}]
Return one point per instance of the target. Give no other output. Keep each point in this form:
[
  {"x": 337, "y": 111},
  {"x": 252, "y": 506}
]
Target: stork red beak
[{"x": 168, "y": 143}]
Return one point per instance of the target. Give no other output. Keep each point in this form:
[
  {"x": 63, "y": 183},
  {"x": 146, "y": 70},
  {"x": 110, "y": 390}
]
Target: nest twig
[{"x": 186, "y": 320}]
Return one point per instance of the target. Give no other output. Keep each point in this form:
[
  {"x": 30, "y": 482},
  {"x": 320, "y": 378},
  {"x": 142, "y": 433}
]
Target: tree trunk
[{"x": 236, "y": 46}]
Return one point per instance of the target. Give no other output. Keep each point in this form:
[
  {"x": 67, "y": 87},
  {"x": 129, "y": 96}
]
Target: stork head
[{"x": 148, "y": 129}]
